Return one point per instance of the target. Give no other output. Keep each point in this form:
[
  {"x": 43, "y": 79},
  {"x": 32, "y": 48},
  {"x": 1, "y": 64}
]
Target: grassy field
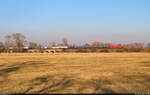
[{"x": 75, "y": 73}]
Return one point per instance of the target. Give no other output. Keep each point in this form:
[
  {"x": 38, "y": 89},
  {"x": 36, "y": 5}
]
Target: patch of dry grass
[{"x": 75, "y": 73}]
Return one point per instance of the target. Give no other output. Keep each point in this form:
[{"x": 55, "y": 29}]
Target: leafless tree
[
  {"x": 96, "y": 44},
  {"x": 19, "y": 41},
  {"x": 1, "y": 46},
  {"x": 134, "y": 45},
  {"x": 39, "y": 47},
  {"x": 148, "y": 45},
  {"x": 8, "y": 42},
  {"x": 53, "y": 44},
  {"x": 33, "y": 45},
  {"x": 64, "y": 42},
  {"x": 107, "y": 44},
  {"x": 86, "y": 45}
]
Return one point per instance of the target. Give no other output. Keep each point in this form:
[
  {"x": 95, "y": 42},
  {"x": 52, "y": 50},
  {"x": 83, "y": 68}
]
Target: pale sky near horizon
[{"x": 81, "y": 21}]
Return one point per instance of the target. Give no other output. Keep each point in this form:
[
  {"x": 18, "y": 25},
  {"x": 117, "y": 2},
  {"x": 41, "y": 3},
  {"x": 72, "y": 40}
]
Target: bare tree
[
  {"x": 107, "y": 43},
  {"x": 33, "y": 45},
  {"x": 1, "y": 44},
  {"x": 53, "y": 44},
  {"x": 1, "y": 47},
  {"x": 86, "y": 45},
  {"x": 139, "y": 45},
  {"x": 19, "y": 41},
  {"x": 64, "y": 42},
  {"x": 148, "y": 45},
  {"x": 96, "y": 44},
  {"x": 134, "y": 45},
  {"x": 8, "y": 42},
  {"x": 39, "y": 47}
]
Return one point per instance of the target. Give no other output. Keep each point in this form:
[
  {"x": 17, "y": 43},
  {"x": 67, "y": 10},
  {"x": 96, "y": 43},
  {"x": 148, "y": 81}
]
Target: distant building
[
  {"x": 25, "y": 47},
  {"x": 59, "y": 47},
  {"x": 45, "y": 47}
]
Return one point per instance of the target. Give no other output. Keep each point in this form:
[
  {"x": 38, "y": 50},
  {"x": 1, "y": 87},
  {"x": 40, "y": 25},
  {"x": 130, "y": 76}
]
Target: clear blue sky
[{"x": 44, "y": 21}]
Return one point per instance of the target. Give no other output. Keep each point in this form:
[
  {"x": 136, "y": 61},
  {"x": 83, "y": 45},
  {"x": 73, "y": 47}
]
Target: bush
[
  {"x": 104, "y": 50},
  {"x": 119, "y": 50},
  {"x": 134, "y": 49},
  {"x": 93, "y": 50},
  {"x": 147, "y": 50},
  {"x": 82, "y": 50}
]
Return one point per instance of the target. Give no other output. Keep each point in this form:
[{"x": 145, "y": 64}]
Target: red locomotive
[{"x": 115, "y": 46}]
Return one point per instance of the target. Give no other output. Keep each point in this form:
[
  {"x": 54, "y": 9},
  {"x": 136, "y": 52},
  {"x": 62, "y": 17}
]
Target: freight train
[
  {"x": 103, "y": 46},
  {"x": 110, "y": 46}
]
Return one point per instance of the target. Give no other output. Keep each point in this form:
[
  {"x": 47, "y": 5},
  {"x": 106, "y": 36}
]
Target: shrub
[
  {"x": 119, "y": 50},
  {"x": 82, "y": 50},
  {"x": 104, "y": 50},
  {"x": 93, "y": 50},
  {"x": 134, "y": 49}
]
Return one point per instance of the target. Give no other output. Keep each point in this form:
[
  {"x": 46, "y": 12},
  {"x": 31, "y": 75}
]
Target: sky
[{"x": 80, "y": 21}]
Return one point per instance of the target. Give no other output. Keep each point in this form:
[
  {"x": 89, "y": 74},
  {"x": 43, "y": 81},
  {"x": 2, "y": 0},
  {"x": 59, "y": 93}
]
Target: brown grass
[{"x": 75, "y": 73}]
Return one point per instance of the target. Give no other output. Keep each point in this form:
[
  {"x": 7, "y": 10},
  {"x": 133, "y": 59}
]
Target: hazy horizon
[{"x": 80, "y": 21}]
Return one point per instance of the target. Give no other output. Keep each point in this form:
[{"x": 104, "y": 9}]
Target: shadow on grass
[
  {"x": 8, "y": 70},
  {"x": 18, "y": 66},
  {"x": 47, "y": 84},
  {"x": 66, "y": 84},
  {"x": 4, "y": 73}
]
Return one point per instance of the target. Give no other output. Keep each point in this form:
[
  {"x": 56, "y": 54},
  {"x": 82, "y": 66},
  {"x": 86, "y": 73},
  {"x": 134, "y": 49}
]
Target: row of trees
[
  {"x": 33, "y": 45},
  {"x": 17, "y": 42},
  {"x": 131, "y": 45}
]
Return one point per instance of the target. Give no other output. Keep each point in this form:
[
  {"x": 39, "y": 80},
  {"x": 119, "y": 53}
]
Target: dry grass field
[{"x": 75, "y": 73}]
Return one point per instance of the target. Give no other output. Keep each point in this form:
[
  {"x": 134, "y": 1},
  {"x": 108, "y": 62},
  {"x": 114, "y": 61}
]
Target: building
[{"x": 59, "y": 47}]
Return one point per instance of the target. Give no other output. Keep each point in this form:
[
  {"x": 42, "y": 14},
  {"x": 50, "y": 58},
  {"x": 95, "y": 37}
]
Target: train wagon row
[
  {"x": 110, "y": 46},
  {"x": 102, "y": 46}
]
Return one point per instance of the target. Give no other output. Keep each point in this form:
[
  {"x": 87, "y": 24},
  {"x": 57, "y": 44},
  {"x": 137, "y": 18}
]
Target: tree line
[{"x": 18, "y": 42}]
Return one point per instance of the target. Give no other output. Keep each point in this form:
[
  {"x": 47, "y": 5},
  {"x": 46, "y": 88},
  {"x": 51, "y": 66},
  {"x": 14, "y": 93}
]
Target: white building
[{"x": 59, "y": 47}]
